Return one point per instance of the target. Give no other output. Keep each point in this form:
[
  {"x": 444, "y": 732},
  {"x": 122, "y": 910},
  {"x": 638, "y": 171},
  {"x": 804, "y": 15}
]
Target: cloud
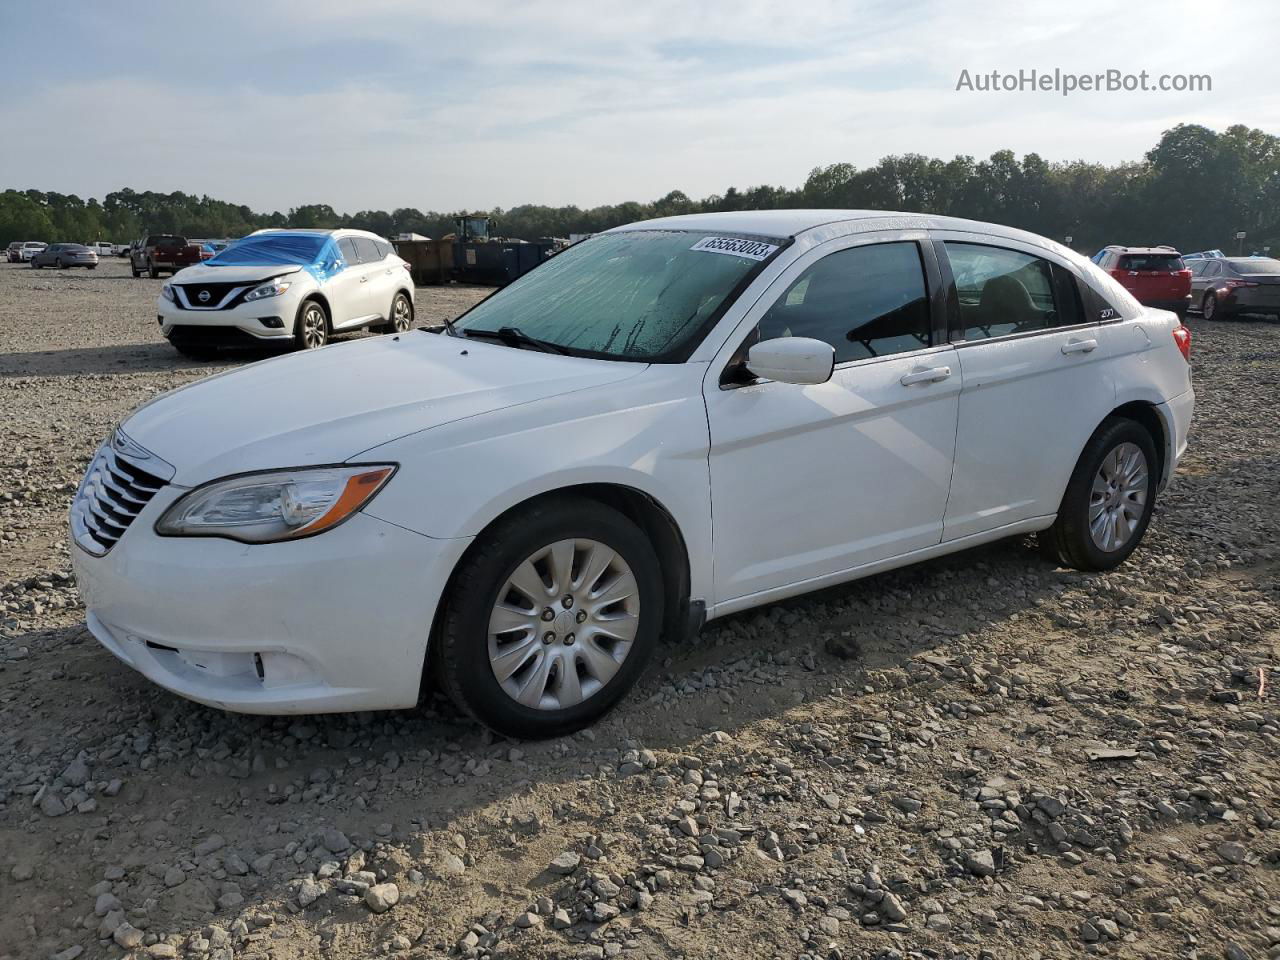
[{"x": 388, "y": 103}]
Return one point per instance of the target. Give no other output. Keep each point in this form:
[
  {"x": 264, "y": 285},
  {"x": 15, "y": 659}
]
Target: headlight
[
  {"x": 272, "y": 288},
  {"x": 273, "y": 506},
  {"x": 167, "y": 292}
]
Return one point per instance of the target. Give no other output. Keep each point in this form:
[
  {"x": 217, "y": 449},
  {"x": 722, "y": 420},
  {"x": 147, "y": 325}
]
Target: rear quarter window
[{"x": 1105, "y": 298}]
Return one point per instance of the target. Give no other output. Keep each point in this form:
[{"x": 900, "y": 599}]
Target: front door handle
[
  {"x": 365, "y": 278},
  {"x": 1080, "y": 346},
  {"x": 925, "y": 375}
]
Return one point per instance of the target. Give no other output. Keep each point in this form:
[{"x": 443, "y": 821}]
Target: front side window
[
  {"x": 1003, "y": 292},
  {"x": 349, "y": 251},
  {"x": 629, "y": 295},
  {"x": 867, "y": 301}
]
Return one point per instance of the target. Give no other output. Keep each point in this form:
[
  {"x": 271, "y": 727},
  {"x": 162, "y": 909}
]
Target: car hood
[
  {"x": 328, "y": 405},
  {"x": 202, "y": 273}
]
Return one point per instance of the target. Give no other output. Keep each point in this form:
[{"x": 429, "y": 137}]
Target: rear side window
[
  {"x": 384, "y": 248},
  {"x": 866, "y": 302},
  {"x": 349, "y": 252},
  {"x": 369, "y": 252},
  {"x": 1161, "y": 262},
  {"x": 1003, "y": 292}
]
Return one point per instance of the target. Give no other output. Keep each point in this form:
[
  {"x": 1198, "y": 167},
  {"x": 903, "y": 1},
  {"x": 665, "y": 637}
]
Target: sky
[{"x": 378, "y": 104}]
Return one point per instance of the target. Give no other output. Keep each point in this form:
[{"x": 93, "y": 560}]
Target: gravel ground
[{"x": 907, "y": 766}]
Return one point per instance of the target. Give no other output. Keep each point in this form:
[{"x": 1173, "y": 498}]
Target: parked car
[
  {"x": 1214, "y": 254},
  {"x": 1156, "y": 276},
  {"x": 668, "y": 422},
  {"x": 64, "y": 255},
  {"x": 162, "y": 253},
  {"x": 287, "y": 288},
  {"x": 13, "y": 253},
  {"x": 120, "y": 249},
  {"x": 1225, "y": 287},
  {"x": 29, "y": 249}
]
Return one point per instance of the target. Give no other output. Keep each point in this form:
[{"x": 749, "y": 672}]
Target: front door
[{"x": 810, "y": 481}]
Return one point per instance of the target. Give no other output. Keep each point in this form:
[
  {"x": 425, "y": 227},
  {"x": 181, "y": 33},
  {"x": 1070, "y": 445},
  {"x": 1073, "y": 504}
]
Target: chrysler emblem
[
  {"x": 203, "y": 296},
  {"x": 127, "y": 447}
]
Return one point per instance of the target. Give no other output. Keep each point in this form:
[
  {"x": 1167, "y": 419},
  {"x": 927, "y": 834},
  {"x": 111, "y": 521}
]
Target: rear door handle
[
  {"x": 925, "y": 375},
  {"x": 365, "y": 279},
  {"x": 1080, "y": 346}
]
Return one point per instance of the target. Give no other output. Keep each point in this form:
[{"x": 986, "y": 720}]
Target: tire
[
  {"x": 59, "y": 264},
  {"x": 1209, "y": 307},
  {"x": 1081, "y": 537},
  {"x": 133, "y": 268},
  {"x": 311, "y": 326},
  {"x": 153, "y": 271},
  {"x": 400, "y": 319},
  {"x": 91, "y": 266},
  {"x": 463, "y": 652}
]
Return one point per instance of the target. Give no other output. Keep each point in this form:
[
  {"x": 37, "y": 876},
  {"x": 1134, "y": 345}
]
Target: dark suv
[
  {"x": 1234, "y": 285},
  {"x": 162, "y": 253},
  {"x": 1156, "y": 276}
]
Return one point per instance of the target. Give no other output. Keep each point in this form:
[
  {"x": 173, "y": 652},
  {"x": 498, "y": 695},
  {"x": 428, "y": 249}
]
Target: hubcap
[
  {"x": 1119, "y": 497},
  {"x": 313, "y": 332},
  {"x": 563, "y": 623},
  {"x": 400, "y": 314},
  {"x": 1210, "y": 305}
]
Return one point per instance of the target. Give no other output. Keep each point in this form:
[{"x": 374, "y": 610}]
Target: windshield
[
  {"x": 314, "y": 252},
  {"x": 633, "y": 295}
]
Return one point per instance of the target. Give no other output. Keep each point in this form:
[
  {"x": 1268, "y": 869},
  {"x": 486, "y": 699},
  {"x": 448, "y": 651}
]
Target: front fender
[{"x": 648, "y": 434}]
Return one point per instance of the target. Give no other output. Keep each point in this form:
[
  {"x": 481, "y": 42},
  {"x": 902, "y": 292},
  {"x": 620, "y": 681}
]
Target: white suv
[
  {"x": 663, "y": 424},
  {"x": 291, "y": 288}
]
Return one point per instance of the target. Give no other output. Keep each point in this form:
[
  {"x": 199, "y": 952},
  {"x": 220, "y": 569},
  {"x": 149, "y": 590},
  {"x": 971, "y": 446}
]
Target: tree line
[{"x": 1195, "y": 189}]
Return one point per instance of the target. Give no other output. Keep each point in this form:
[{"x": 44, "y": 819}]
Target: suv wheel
[
  {"x": 133, "y": 267},
  {"x": 153, "y": 271},
  {"x": 550, "y": 619},
  {"x": 311, "y": 329},
  {"x": 1107, "y": 506},
  {"x": 401, "y": 315}
]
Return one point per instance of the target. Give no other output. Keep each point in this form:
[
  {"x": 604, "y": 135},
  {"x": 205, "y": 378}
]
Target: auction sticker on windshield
[{"x": 735, "y": 247}]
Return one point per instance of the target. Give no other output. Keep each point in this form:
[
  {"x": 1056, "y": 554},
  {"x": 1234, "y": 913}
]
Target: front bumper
[
  {"x": 269, "y": 320},
  {"x": 336, "y": 622}
]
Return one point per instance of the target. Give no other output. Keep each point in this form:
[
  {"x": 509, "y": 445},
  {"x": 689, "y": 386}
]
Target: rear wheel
[
  {"x": 550, "y": 619},
  {"x": 1107, "y": 506},
  {"x": 1209, "y": 307},
  {"x": 401, "y": 315},
  {"x": 311, "y": 329},
  {"x": 153, "y": 271}
]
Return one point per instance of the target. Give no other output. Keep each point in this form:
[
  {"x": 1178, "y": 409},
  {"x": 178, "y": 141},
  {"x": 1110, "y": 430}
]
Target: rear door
[
  {"x": 378, "y": 292},
  {"x": 1036, "y": 384}
]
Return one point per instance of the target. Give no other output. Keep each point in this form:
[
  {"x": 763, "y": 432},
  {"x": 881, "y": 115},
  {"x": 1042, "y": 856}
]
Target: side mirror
[{"x": 792, "y": 360}]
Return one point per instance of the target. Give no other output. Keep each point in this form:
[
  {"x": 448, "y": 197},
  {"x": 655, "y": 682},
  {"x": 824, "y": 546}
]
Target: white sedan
[{"x": 664, "y": 424}]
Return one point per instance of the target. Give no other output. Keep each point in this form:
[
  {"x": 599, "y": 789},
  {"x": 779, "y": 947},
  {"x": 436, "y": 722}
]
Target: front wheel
[
  {"x": 133, "y": 267},
  {"x": 550, "y": 619},
  {"x": 59, "y": 264},
  {"x": 1107, "y": 506},
  {"x": 311, "y": 330}
]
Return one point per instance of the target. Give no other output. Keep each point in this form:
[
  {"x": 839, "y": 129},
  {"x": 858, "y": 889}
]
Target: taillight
[
  {"x": 1182, "y": 337},
  {"x": 1232, "y": 284},
  {"x": 1182, "y": 273},
  {"x": 1117, "y": 273}
]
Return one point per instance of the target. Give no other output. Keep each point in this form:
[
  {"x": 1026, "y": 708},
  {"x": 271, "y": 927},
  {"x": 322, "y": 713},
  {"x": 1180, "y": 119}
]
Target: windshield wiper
[{"x": 515, "y": 337}]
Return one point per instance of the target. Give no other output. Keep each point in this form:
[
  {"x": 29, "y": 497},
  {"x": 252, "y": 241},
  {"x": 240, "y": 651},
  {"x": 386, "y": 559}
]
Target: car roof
[
  {"x": 791, "y": 223},
  {"x": 1167, "y": 251},
  {"x": 318, "y": 232}
]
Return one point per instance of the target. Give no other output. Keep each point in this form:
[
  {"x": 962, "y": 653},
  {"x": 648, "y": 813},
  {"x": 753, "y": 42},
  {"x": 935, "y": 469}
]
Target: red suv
[{"x": 1156, "y": 276}]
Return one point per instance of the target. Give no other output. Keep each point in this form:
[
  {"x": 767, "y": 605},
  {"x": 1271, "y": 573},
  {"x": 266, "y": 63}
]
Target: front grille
[
  {"x": 112, "y": 494},
  {"x": 218, "y": 292}
]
